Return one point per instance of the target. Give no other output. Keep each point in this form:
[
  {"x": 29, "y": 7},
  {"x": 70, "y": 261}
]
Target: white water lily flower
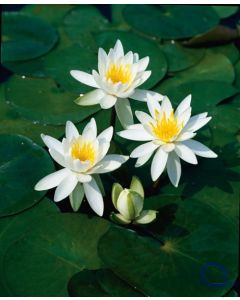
[
  {"x": 82, "y": 157},
  {"x": 117, "y": 80},
  {"x": 169, "y": 135}
]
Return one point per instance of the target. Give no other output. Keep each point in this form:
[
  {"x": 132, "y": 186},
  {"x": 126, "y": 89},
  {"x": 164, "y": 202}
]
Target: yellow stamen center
[
  {"x": 165, "y": 128},
  {"x": 83, "y": 150},
  {"x": 119, "y": 73}
]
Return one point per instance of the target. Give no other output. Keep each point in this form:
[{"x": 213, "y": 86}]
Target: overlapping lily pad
[
  {"x": 205, "y": 94},
  {"x": 100, "y": 283},
  {"x": 14, "y": 227},
  {"x": 192, "y": 243},
  {"x": 44, "y": 101},
  {"x": 23, "y": 38},
  {"x": 59, "y": 246},
  {"x": 144, "y": 47},
  {"x": 169, "y": 21},
  {"x": 225, "y": 11},
  {"x": 81, "y": 22},
  {"x": 180, "y": 58},
  {"x": 22, "y": 164}
]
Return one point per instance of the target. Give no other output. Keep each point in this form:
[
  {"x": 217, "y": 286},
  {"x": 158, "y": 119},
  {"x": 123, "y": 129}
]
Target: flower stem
[{"x": 113, "y": 117}]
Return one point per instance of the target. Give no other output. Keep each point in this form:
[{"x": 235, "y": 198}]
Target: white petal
[
  {"x": 94, "y": 196},
  {"x": 84, "y": 178},
  {"x": 143, "y": 63},
  {"x": 153, "y": 106},
  {"x": 200, "y": 149},
  {"x": 102, "y": 61},
  {"x": 144, "y": 149},
  {"x": 128, "y": 58},
  {"x": 108, "y": 101},
  {"x": 136, "y": 134},
  {"x": 84, "y": 78},
  {"x": 90, "y": 98},
  {"x": 58, "y": 157},
  {"x": 166, "y": 106},
  {"x": 168, "y": 147},
  {"x": 174, "y": 168},
  {"x": 76, "y": 197},
  {"x": 109, "y": 163},
  {"x": 124, "y": 112},
  {"x": 185, "y": 136},
  {"x": 71, "y": 131},
  {"x": 106, "y": 134},
  {"x": 143, "y": 117},
  {"x": 183, "y": 105},
  {"x": 144, "y": 77},
  {"x": 118, "y": 48},
  {"x": 196, "y": 122},
  {"x": 52, "y": 143},
  {"x": 142, "y": 160},
  {"x": 66, "y": 187},
  {"x": 52, "y": 180},
  {"x": 103, "y": 149},
  {"x": 158, "y": 164},
  {"x": 76, "y": 165},
  {"x": 135, "y": 58},
  {"x": 184, "y": 117},
  {"x": 142, "y": 95},
  {"x": 90, "y": 130},
  {"x": 186, "y": 154}
]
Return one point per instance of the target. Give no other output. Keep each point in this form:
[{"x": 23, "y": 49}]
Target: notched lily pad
[
  {"x": 44, "y": 101},
  {"x": 169, "y": 21},
  {"x": 23, "y": 38},
  {"x": 22, "y": 164}
]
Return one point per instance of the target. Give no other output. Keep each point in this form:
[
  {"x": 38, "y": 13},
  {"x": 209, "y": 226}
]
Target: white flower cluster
[{"x": 168, "y": 136}]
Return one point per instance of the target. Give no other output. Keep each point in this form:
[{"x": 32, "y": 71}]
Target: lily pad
[
  {"x": 169, "y": 21},
  {"x": 12, "y": 123},
  {"x": 60, "y": 62},
  {"x": 136, "y": 43},
  {"x": 22, "y": 164},
  {"x": 211, "y": 67},
  {"x": 100, "y": 283},
  {"x": 205, "y": 94},
  {"x": 59, "y": 246},
  {"x": 81, "y": 22},
  {"x": 199, "y": 249},
  {"x": 44, "y": 101},
  {"x": 13, "y": 227},
  {"x": 225, "y": 11},
  {"x": 229, "y": 50},
  {"x": 51, "y": 13},
  {"x": 180, "y": 58},
  {"x": 23, "y": 38}
]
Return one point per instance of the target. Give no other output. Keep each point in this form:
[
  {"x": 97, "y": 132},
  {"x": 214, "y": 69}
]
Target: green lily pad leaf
[
  {"x": 169, "y": 21},
  {"x": 51, "y": 13},
  {"x": 224, "y": 124},
  {"x": 11, "y": 123},
  {"x": 205, "y": 94},
  {"x": 136, "y": 43},
  {"x": 13, "y": 227},
  {"x": 22, "y": 164},
  {"x": 237, "y": 72},
  {"x": 225, "y": 11},
  {"x": 81, "y": 22},
  {"x": 43, "y": 101},
  {"x": 194, "y": 239},
  {"x": 180, "y": 58},
  {"x": 60, "y": 62},
  {"x": 85, "y": 284},
  {"x": 211, "y": 67},
  {"x": 100, "y": 283},
  {"x": 232, "y": 293},
  {"x": 229, "y": 50},
  {"x": 23, "y": 38},
  {"x": 59, "y": 246},
  {"x": 117, "y": 19}
]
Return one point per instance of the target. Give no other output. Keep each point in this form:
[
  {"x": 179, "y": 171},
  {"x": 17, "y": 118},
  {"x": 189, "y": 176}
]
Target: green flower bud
[
  {"x": 119, "y": 219},
  {"x": 136, "y": 186},
  {"x": 146, "y": 216}
]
